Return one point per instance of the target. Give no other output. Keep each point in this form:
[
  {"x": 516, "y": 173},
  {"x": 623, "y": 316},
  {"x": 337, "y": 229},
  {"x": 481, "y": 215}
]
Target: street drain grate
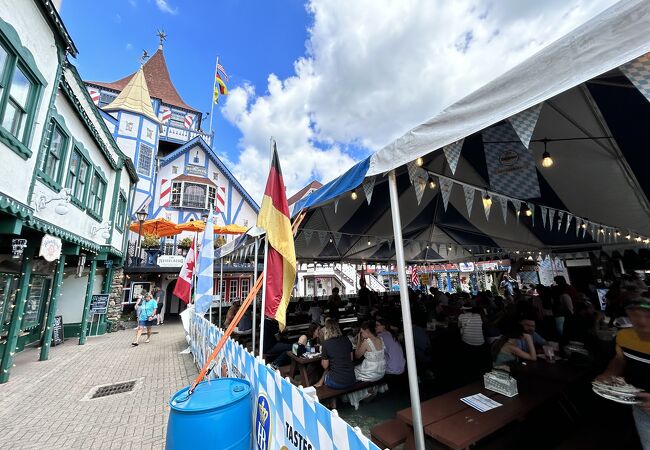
[{"x": 112, "y": 389}]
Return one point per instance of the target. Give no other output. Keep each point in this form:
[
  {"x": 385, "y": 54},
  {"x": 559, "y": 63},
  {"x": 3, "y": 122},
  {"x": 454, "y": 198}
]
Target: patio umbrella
[
  {"x": 230, "y": 229},
  {"x": 159, "y": 227},
  {"x": 192, "y": 225},
  {"x": 199, "y": 225}
]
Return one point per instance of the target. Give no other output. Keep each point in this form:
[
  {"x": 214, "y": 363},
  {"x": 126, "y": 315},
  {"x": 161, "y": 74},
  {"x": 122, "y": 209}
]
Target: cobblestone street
[{"x": 43, "y": 406}]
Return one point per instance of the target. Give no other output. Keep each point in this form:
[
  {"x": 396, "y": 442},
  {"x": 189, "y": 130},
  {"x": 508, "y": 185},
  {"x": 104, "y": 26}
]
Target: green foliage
[
  {"x": 186, "y": 242},
  {"x": 150, "y": 241}
]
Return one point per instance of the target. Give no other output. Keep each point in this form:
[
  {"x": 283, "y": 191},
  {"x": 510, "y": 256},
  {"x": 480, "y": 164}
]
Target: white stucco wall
[
  {"x": 36, "y": 35},
  {"x": 73, "y": 292},
  {"x": 126, "y": 118}
]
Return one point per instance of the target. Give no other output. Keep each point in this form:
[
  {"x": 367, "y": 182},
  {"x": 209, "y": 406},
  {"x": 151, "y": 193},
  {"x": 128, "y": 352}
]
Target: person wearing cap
[{"x": 632, "y": 361}]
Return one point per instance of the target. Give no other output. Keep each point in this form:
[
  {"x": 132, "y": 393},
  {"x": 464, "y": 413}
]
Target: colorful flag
[
  {"x": 205, "y": 277},
  {"x": 184, "y": 283},
  {"x": 221, "y": 70},
  {"x": 280, "y": 270},
  {"x": 219, "y": 87},
  {"x": 415, "y": 276}
]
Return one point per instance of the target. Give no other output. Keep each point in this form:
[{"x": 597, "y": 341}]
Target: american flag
[
  {"x": 223, "y": 72},
  {"x": 415, "y": 276}
]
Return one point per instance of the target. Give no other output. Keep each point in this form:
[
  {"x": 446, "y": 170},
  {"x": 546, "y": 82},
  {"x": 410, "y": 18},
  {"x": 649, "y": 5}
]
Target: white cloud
[
  {"x": 376, "y": 68},
  {"x": 166, "y": 7},
  {"x": 128, "y": 46}
]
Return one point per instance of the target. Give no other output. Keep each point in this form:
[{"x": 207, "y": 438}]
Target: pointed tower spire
[{"x": 134, "y": 97}]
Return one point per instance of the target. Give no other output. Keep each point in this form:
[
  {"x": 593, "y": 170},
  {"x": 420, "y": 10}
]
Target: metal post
[
  {"x": 51, "y": 310},
  {"x": 406, "y": 312},
  {"x": 221, "y": 283},
  {"x": 19, "y": 309},
  {"x": 89, "y": 294},
  {"x": 266, "y": 252},
  {"x": 257, "y": 247},
  {"x": 138, "y": 249}
]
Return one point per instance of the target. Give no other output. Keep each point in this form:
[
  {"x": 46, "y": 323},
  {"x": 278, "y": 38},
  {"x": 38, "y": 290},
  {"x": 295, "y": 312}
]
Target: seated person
[
  {"x": 275, "y": 350},
  {"x": 393, "y": 353},
  {"x": 245, "y": 325},
  {"x": 232, "y": 312},
  {"x": 314, "y": 335},
  {"x": 529, "y": 325},
  {"x": 422, "y": 343},
  {"x": 337, "y": 361},
  {"x": 506, "y": 350},
  {"x": 371, "y": 349},
  {"x": 315, "y": 312},
  {"x": 300, "y": 347}
]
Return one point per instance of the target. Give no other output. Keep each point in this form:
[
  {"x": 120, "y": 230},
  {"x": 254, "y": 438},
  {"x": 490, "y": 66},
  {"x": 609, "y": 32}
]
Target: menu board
[
  {"x": 33, "y": 303},
  {"x": 99, "y": 304},
  {"x": 57, "y": 330}
]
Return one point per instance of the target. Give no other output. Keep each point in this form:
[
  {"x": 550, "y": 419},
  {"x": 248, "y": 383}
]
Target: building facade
[
  {"x": 181, "y": 177},
  {"x": 65, "y": 187}
]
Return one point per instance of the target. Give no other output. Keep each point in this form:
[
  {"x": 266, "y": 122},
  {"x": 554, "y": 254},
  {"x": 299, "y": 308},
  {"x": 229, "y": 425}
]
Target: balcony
[{"x": 180, "y": 135}]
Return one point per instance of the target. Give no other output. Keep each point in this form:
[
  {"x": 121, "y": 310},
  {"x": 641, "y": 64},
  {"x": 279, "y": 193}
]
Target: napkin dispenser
[{"x": 500, "y": 382}]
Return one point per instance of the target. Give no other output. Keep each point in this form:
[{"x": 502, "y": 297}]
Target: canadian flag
[{"x": 183, "y": 288}]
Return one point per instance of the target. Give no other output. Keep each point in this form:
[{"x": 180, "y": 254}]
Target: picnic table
[
  {"x": 301, "y": 363},
  {"x": 452, "y": 422}
]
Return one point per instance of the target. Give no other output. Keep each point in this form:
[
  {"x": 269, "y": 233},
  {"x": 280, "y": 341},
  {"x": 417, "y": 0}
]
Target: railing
[{"x": 182, "y": 134}]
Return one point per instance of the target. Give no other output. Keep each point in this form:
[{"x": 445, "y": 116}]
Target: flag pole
[
  {"x": 262, "y": 317},
  {"x": 221, "y": 283},
  {"x": 257, "y": 249},
  {"x": 214, "y": 86}
]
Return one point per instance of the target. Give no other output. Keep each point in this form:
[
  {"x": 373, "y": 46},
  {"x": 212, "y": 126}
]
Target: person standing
[
  {"x": 146, "y": 316},
  {"x": 632, "y": 361},
  {"x": 160, "y": 300}
]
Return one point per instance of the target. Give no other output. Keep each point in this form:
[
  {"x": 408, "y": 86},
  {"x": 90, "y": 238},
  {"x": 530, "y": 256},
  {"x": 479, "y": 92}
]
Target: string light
[
  {"x": 419, "y": 162},
  {"x": 487, "y": 201},
  {"x": 528, "y": 212},
  {"x": 432, "y": 184},
  {"x": 354, "y": 195},
  {"x": 547, "y": 161}
]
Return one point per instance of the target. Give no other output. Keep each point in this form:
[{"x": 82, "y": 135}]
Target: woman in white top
[{"x": 371, "y": 348}]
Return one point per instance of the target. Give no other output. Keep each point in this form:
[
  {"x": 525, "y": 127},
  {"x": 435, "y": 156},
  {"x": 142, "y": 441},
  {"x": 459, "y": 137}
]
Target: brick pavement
[{"x": 42, "y": 406}]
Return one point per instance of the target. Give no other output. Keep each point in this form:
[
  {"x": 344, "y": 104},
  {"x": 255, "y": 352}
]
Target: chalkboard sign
[
  {"x": 99, "y": 304},
  {"x": 57, "y": 330}
]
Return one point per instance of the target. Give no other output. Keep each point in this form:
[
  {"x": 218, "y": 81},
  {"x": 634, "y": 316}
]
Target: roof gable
[
  {"x": 215, "y": 159},
  {"x": 158, "y": 80}
]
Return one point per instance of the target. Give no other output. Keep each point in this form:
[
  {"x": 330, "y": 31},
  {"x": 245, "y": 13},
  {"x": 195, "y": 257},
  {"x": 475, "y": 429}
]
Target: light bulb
[
  {"x": 369, "y": 243},
  {"x": 628, "y": 236},
  {"x": 601, "y": 230},
  {"x": 529, "y": 212},
  {"x": 419, "y": 161},
  {"x": 432, "y": 184},
  {"x": 487, "y": 201},
  {"x": 583, "y": 225},
  {"x": 354, "y": 195},
  {"x": 489, "y": 251},
  {"x": 618, "y": 233},
  {"x": 547, "y": 161}
]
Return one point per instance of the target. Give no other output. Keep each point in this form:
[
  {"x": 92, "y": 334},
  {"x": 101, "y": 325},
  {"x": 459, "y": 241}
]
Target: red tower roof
[{"x": 158, "y": 80}]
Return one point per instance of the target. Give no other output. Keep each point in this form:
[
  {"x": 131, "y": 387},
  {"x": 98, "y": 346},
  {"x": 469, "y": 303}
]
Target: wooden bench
[
  {"x": 389, "y": 434},
  {"x": 327, "y": 393}
]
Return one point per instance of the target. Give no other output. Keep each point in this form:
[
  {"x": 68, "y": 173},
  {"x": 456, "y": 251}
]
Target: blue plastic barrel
[{"x": 217, "y": 415}]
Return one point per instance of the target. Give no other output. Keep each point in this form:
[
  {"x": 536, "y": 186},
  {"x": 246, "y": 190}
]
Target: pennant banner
[
  {"x": 445, "y": 190},
  {"x": 532, "y": 212},
  {"x": 568, "y": 223},
  {"x": 504, "y": 207},
  {"x": 452, "y": 153},
  {"x": 517, "y": 204},
  {"x": 308, "y": 235},
  {"x": 638, "y": 72},
  {"x": 419, "y": 184},
  {"x": 560, "y": 216},
  {"x": 524, "y": 123},
  {"x": 511, "y": 167},
  {"x": 544, "y": 210},
  {"x": 551, "y": 218},
  {"x": 486, "y": 207},
  {"x": 322, "y": 237},
  {"x": 337, "y": 238},
  {"x": 469, "y": 199},
  {"x": 368, "y": 186},
  {"x": 336, "y": 205}
]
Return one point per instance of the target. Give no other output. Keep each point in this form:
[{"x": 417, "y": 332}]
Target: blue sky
[
  {"x": 252, "y": 39},
  {"x": 330, "y": 80}
]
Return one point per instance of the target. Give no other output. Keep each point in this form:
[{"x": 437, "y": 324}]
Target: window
[
  {"x": 232, "y": 295},
  {"x": 194, "y": 195},
  {"x": 187, "y": 194},
  {"x": 177, "y": 119},
  {"x": 121, "y": 212},
  {"x": 212, "y": 195},
  {"x": 96, "y": 197},
  {"x": 244, "y": 288},
  {"x": 176, "y": 194},
  {"x": 78, "y": 176},
  {"x": 21, "y": 85},
  {"x": 106, "y": 98},
  {"x": 15, "y": 115},
  {"x": 51, "y": 165},
  {"x": 144, "y": 159}
]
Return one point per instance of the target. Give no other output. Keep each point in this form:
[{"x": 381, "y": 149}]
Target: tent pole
[
  {"x": 257, "y": 248},
  {"x": 406, "y": 312},
  {"x": 221, "y": 283},
  {"x": 262, "y": 320}
]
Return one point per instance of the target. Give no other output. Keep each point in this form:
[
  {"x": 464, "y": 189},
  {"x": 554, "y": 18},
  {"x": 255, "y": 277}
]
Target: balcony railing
[{"x": 181, "y": 134}]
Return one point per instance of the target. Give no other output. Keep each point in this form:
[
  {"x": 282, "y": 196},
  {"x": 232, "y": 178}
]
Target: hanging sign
[
  {"x": 18, "y": 247},
  {"x": 170, "y": 261},
  {"x": 191, "y": 169},
  {"x": 466, "y": 267},
  {"x": 511, "y": 167},
  {"x": 50, "y": 248},
  {"x": 99, "y": 303}
]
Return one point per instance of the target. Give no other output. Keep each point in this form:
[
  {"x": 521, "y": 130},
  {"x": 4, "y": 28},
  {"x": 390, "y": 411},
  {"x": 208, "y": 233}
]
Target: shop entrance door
[
  {"x": 7, "y": 300},
  {"x": 34, "y": 313}
]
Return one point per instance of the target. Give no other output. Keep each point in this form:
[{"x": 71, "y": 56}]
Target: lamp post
[{"x": 141, "y": 216}]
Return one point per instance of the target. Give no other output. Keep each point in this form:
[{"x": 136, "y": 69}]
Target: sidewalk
[{"x": 43, "y": 405}]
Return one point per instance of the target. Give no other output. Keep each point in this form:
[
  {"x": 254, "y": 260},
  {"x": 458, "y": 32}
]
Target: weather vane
[
  {"x": 162, "y": 36},
  {"x": 144, "y": 57}
]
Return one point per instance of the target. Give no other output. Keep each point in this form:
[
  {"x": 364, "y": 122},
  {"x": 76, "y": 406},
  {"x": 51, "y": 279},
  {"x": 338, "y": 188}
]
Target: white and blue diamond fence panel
[{"x": 284, "y": 416}]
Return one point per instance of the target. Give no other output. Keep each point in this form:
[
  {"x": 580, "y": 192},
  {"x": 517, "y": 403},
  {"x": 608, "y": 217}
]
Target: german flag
[
  {"x": 281, "y": 260},
  {"x": 219, "y": 87}
]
